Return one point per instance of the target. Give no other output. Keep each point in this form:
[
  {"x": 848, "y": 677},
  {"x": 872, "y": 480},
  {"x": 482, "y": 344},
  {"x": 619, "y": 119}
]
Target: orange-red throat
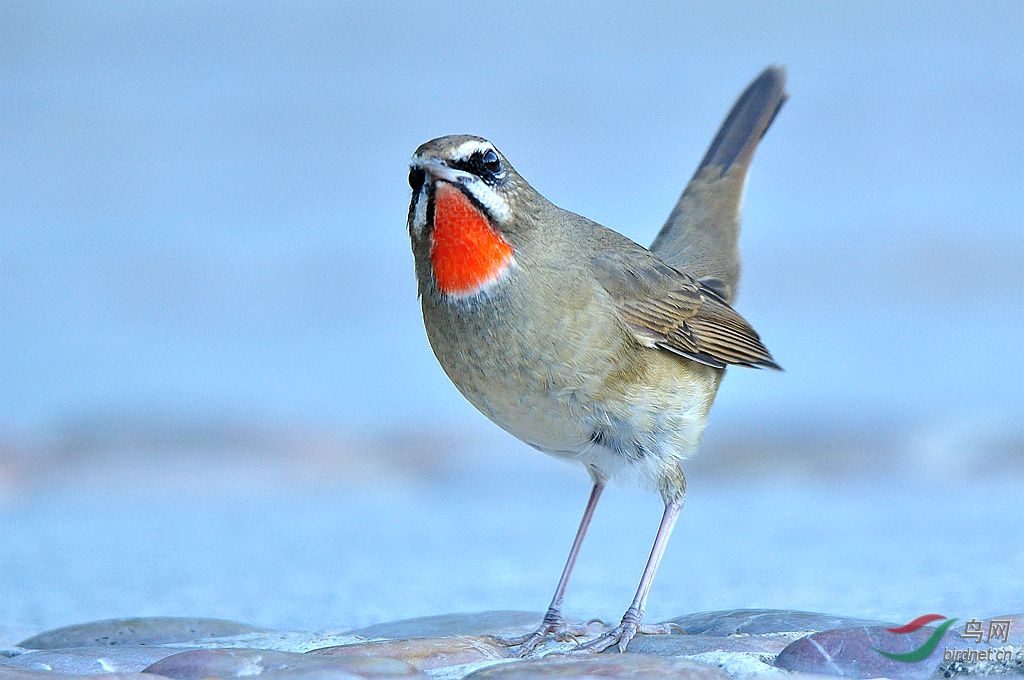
[{"x": 466, "y": 251}]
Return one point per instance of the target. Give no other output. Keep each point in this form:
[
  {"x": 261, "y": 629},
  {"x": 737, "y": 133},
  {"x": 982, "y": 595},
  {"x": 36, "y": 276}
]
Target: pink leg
[
  {"x": 553, "y": 621},
  {"x": 630, "y": 625}
]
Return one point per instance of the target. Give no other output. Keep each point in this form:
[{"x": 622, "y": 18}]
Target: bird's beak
[{"x": 438, "y": 169}]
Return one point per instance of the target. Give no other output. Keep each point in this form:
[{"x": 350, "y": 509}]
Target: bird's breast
[{"x": 466, "y": 252}]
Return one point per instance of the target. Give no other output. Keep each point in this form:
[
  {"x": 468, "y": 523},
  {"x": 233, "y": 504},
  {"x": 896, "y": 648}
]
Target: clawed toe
[
  {"x": 620, "y": 635},
  {"x": 553, "y": 627}
]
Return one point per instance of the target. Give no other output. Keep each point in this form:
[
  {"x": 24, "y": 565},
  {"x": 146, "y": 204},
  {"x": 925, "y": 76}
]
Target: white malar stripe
[
  {"x": 419, "y": 216},
  {"x": 491, "y": 200}
]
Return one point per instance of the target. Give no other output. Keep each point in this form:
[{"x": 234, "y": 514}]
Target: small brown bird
[{"x": 577, "y": 340}]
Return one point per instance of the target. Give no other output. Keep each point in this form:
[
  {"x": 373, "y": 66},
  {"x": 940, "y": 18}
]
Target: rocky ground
[{"x": 713, "y": 645}]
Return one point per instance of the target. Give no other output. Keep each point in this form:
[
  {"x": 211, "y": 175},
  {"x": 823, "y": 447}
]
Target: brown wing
[{"x": 671, "y": 311}]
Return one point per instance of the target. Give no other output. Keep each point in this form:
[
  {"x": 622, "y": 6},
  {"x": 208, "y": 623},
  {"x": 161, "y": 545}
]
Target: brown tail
[{"x": 700, "y": 236}]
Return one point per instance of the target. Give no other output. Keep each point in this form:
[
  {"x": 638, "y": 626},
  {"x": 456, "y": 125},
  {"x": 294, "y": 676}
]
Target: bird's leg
[
  {"x": 553, "y": 622},
  {"x": 630, "y": 624}
]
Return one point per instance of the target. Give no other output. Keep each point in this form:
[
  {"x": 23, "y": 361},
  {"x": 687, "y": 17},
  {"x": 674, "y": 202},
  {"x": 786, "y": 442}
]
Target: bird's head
[{"x": 468, "y": 208}]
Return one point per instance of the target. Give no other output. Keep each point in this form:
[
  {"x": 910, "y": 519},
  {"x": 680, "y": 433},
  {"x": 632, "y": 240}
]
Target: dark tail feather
[
  {"x": 700, "y": 236},
  {"x": 746, "y": 124}
]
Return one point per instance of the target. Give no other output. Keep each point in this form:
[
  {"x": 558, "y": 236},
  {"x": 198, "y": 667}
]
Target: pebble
[
  {"x": 155, "y": 630},
  {"x": 460, "y": 653},
  {"x": 500, "y": 624},
  {"x": 762, "y": 621},
  {"x": 276, "y": 641},
  {"x": 745, "y": 644},
  {"x": 91, "y": 659},
  {"x": 237, "y": 663},
  {"x": 626, "y": 665},
  {"x": 678, "y": 644},
  {"x": 7, "y": 673},
  {"x": 850, "y": 653}
]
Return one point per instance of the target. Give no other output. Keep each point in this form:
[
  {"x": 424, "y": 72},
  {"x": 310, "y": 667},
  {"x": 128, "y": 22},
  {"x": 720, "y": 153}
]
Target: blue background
[{"x": 203, "y": 204}]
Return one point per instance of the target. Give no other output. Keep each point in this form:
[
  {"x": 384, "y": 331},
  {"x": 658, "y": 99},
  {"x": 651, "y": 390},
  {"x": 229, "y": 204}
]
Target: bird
[{"x": 579, "y": 341}]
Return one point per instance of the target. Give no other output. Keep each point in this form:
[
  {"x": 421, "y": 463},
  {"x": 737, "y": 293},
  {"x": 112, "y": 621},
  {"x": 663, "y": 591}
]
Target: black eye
[
  {"x": 417, "y": 177},
  {"x": 490, "y": 162}
]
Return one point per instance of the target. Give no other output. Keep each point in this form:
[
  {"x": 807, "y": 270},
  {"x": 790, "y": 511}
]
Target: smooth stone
[
  {"x": 7, "y": 673},
  {"x": 496, "y": 623},
  {"x": 850, "y": 653},
  {"x": 767, "y": 646},
  {"x": 617, "y": 665},
  {"x": 89, "y": 660},
  {"x": 761, "y": 621},
  {"x": 428, "y": 654},
  {"x": 313, "y": 673},
  {"x": 236, "y": 663},
  {"x": 740, "y": 655},
  {"x": 742, "y": 665},
  {"x": 275, "y": 641},
  {"x": 363, "y": 666},
  {"x": 154, "y": 630}
]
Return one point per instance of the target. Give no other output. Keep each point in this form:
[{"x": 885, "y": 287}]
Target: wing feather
[{"x": 668, "y": 310}]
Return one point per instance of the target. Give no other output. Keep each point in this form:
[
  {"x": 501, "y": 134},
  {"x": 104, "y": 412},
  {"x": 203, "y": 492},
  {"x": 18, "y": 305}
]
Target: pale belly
[{"x": 585, "y": 406}]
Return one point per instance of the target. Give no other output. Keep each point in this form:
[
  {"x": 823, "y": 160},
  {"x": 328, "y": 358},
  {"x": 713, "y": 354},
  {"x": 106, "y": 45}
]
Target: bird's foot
[
  {"x": 620, "y": 635},
  {"x": 554, "y": 626}
]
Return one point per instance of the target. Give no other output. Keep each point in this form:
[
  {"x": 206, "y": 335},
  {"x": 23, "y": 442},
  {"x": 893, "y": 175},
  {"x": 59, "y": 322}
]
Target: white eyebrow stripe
[{"x": 469, "y": 147}]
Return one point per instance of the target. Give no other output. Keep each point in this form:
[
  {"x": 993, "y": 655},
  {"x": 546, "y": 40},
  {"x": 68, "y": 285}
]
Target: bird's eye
[
  {"x": 417, "y": 176},
  {"x": 490, "y": 162}
]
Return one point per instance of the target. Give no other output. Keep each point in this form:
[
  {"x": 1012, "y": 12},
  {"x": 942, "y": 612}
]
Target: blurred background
[{"x": 216, "y": 397}]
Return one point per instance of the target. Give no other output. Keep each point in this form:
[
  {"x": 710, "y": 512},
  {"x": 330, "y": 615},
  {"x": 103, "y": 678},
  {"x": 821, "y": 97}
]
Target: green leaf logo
[{"x": 925, "y": 650}]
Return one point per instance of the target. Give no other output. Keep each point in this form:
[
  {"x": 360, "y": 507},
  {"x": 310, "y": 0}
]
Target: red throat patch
[{"x": 467, "y": 253}]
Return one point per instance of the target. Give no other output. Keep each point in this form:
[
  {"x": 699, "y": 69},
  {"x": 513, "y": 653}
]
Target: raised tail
[{"x": 700, "y": 236}]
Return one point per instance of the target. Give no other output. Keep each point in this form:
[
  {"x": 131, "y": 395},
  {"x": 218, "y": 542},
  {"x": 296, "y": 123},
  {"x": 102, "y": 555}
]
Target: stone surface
[
  {"x": 738, "y": 644},
  {"x": 740, "y": 655},
  {"x": 8, "y": 673},
  {"x": 761, "y": 621},
  {"x": 137, "y": 631},
  {"x": 276, "y": 641},
  {"x": 236, "y": 663},
  {"x": 92, "y": 659},
  {"x": 459, "y": 653},
  {"x": 689, "y": 645},
  {"x": 624, "y": 665},
  {"x": 851, "y": 653},
  {"x": 495, "y": 623}
]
